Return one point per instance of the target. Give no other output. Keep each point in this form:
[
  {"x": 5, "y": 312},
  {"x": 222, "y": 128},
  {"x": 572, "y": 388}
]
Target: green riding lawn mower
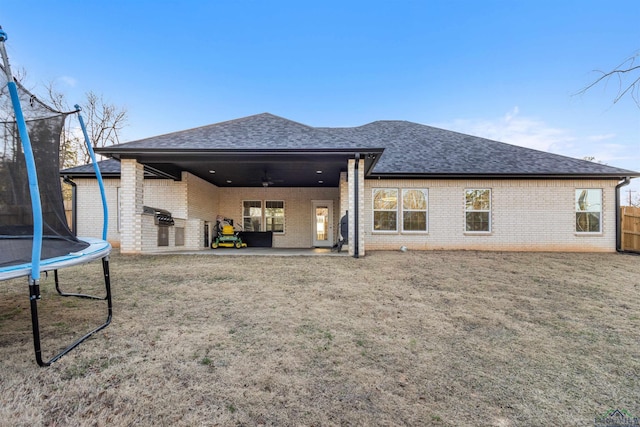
[{"x": 226, "y": 235}]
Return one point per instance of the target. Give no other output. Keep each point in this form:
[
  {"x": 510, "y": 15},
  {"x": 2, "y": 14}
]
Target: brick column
[
  {"x": 344, "y": 194},
  {"x": 131, "y": 201}
]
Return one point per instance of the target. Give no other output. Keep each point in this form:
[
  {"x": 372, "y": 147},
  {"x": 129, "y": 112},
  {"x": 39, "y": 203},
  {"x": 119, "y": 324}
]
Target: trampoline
[{"x": 34, "y": 235}]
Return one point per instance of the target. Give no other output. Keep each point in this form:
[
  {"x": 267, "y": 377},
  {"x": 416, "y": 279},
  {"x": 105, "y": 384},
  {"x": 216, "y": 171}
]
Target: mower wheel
[
  {"x": 214, "y": 244},
  {"x": 238, "y": 244}
]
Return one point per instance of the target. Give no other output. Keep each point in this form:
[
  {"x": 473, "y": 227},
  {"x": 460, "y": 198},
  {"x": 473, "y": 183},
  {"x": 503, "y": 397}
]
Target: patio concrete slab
[{"x": 260, "y": 252}]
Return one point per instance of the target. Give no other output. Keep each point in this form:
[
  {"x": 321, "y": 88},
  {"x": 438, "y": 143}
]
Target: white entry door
[{"x": 323, "y": 223}]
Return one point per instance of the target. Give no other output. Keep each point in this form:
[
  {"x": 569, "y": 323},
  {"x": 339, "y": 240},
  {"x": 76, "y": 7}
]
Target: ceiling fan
[{"x": 267, "y": 181}]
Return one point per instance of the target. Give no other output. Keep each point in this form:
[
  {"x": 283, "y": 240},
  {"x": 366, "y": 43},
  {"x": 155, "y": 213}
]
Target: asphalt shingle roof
[
  {"x": 409, "y": 148},
  {"x": 107, "y": 167},
  {"x": 412, "y": 148},
  {"x": 260, "y": 132}
]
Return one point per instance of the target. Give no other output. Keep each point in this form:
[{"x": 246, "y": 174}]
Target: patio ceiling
[{"x": 253, "y": 169}]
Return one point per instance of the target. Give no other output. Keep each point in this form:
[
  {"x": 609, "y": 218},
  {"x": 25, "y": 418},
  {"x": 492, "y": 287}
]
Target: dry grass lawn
[{"x": 416, "y": 338}]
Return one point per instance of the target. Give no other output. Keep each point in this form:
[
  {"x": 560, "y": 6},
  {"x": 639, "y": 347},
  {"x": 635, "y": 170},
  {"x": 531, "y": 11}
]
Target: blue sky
[{"x": 505, "y": 70}]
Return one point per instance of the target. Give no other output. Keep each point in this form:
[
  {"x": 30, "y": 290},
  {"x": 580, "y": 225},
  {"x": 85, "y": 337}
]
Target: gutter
[
  {"x": 439, "y": 175},
  {"x": 198, "y": 152},
  {"x": 623, "y": 183},
  {"x": 74, "y": 203}
]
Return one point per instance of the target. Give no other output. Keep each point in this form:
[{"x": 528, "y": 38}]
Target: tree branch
[{"x": 628, "y": 75}]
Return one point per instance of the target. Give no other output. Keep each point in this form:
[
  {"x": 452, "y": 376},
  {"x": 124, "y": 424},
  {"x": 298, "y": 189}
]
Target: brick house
[{"x": 399, "y": 183}]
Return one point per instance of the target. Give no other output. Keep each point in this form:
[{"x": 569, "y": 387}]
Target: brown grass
[{"x": 417, "y": 338}]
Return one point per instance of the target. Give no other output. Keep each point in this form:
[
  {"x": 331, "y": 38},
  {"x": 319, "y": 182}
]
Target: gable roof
[
  {"x": 393, "y": 149},
  {"x": 248, "y": 152},
  {"x": 259, "y": 132}
]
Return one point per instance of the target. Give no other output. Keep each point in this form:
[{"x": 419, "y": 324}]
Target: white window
[
  {"x": 589, "y": 210},
  {"x": 414, "y": 210},
  {"x": 254, "y": 218},
  {"x": 385, "y": 209},
  {"x": 274, "y": 216},
  {"x": 477, "y": 210},
  {"x": 252, "y": 215}
]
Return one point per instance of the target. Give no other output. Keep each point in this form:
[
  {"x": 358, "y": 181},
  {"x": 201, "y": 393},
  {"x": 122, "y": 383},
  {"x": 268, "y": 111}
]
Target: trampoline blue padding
[{"x": 97, "y": 249}]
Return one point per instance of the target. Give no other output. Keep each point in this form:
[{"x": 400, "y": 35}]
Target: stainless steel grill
[{"x": 161, "y": 217}]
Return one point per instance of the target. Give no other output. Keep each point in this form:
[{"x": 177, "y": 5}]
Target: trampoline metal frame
[{"x": 34, "y": 296}]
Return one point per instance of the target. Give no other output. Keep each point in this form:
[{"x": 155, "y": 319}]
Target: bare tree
[
  {"x": 593, "y": 159},
  {"x": 102, "y": 119},
  {"x": 71, "y": 143},
  {"x": 627, "y": 77}
]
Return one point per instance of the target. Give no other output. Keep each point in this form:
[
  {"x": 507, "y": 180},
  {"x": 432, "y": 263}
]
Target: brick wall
[
  {"x": 344, "y": 194},
  {"x": 202, "y": 205},
  {"x": 526, "y": 215},
  {"x": 298, "y": 210},
  {"x": 191, "y": 195},
  {"x": 202, "y": 198},
  {"x": 131, "y": 203},
  {"x": 166, "y": 194},
  {"x": 150, "y": 235},
  {"x": 90, "y": 209}
]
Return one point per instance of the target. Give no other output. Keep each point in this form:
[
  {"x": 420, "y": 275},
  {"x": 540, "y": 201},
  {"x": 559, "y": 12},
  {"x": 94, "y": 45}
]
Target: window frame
[
  {"x": 374, "y": 210},
  {"x": 424, "y": 191},
  {"x": 250, "y": 217},
  {"x": 577, "y": 211},
  {"x": 488, "y": 211},
  {"x": 263, "y": 218},
  {"x": 267, "y": 217}
]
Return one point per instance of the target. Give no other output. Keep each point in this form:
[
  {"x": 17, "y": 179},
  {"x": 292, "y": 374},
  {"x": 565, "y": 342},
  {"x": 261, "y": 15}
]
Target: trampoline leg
[
  {"x": 34, "y": 296},
  {"x": 68, "y": 294}
]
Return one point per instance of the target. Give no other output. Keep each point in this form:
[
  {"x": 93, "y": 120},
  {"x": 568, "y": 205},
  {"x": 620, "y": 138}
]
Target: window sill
[
  {"x": 478, "y": 233},
  {"x": 599, "y": 234}
]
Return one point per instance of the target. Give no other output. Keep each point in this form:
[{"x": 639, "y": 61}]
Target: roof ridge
[
  {"x": 284, "y": 118},
  {"x": 224, "y": 122}
]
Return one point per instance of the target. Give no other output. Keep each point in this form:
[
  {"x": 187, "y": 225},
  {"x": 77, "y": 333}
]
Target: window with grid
[
  {"x": 477, "y": 210},
  {"x": 589, "y": 210},
  {"x": 274, "y": 216},
  {"x": 385, "y": 209},
  {"x": 414, "y": 210},
  {"x": 252, "y": 215}
]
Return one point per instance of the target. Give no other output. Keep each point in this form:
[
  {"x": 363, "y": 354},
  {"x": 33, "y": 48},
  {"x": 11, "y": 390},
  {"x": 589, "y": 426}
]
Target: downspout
[
  {"x": 356, "y": 210},
  {"x": 74, "y": 203},
  {"x": 625, "y": 182}
]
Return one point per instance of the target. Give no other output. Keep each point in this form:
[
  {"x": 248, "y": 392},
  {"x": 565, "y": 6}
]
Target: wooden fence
[{"x": 630, "y": 228}]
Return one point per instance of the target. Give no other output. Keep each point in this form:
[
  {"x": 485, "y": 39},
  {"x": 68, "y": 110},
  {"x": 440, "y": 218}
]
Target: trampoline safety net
[{"x": 16, "y": 217}]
